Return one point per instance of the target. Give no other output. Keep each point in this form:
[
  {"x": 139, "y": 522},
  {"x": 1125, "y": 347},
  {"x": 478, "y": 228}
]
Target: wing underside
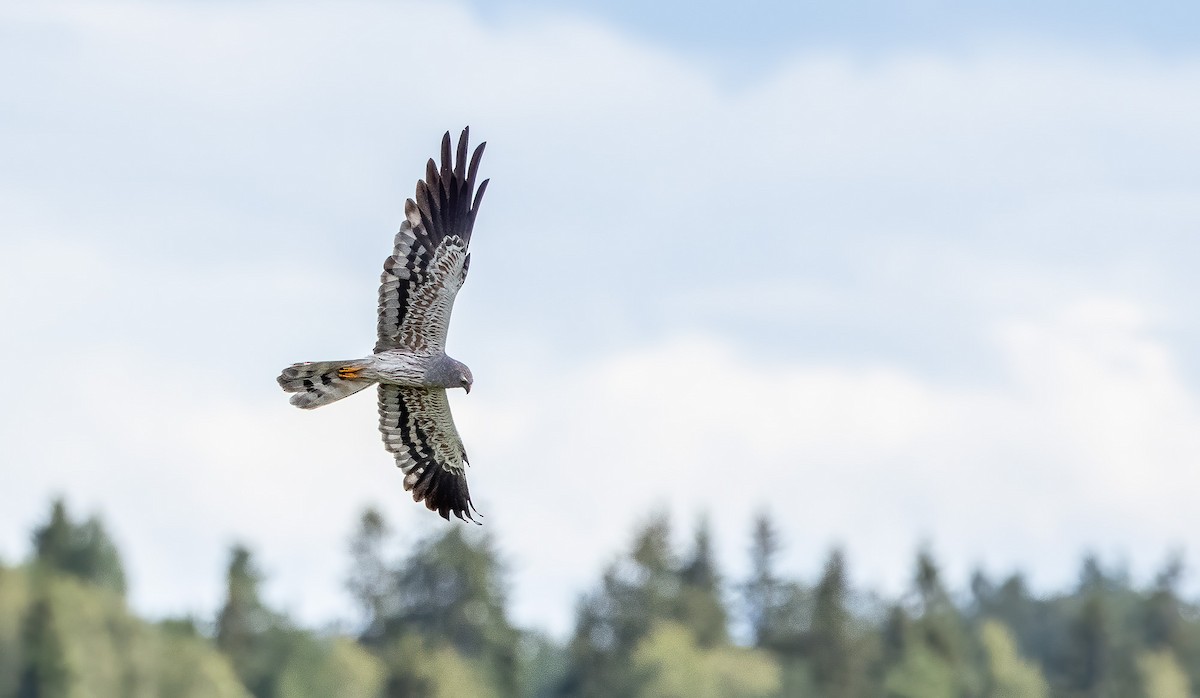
[
  {"x": 429, "y": 261},
  {"x": 419, "y": 431}
]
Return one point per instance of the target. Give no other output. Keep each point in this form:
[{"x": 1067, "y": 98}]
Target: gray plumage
[{"x": 420, "y": 280}]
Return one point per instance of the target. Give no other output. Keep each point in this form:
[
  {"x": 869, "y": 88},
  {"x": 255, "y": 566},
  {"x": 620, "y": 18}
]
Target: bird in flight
[{"x": 416, "y": 294}]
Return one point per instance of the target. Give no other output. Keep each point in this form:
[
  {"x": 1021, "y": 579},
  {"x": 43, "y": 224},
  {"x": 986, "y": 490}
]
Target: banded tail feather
[{"x": 319, "y": 383}]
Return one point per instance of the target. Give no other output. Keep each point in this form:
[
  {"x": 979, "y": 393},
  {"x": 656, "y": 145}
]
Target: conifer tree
[
  {"x": 830, "y": 643},
  {"x": 1091, "y": 644},
  {"x": 83, "y": 550},
  {"x": 1008, "y": 675},
  {"x": 638, "y": 592},
  {"x": 45, "y": 673},
  {"x": 1163, "y": 614},
  {"x": 701, "y": 608},
  {"x": 370, "y": 579},
  {"x": 451, "y": 591},
  {"x": 763, "y": 592},
  {"x": 244, "y": 623},
  {"x": 938, "y": 620}
]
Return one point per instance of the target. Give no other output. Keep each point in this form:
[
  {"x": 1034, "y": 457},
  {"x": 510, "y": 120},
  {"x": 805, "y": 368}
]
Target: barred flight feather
[
  {"x": 419, "y": 431},
  {"x": 429, "y": 261}
]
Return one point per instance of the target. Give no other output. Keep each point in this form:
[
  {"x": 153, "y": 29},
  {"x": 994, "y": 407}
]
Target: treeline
[{"x": 432, "y": 621}]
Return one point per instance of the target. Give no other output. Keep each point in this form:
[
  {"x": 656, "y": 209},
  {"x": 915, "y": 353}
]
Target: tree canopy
[{"x": 663, "y": 619}]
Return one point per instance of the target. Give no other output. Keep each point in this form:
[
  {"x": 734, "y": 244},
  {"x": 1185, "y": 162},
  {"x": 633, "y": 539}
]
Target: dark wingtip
[
  {"x": 445, "y": 493},
  {"x": 431, "y": 173},
  {"x": 446, "y": 162},
  {"x": 475, "y": 204},
  {"x": 460, "y": 157},
  {"x": 444, "y": 197},
  {"x": 474, "y": 167}
]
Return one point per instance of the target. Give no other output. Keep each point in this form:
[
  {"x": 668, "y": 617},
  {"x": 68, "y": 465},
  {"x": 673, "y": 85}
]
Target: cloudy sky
[{"x": 898, "y": 272}]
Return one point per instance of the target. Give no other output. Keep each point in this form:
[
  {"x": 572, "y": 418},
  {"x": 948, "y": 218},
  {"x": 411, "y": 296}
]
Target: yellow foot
[{"x": 349, "y": 372}]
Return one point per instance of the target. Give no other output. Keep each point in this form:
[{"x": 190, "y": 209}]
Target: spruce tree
[
  {"x": 763, "y": 592},
  {"x": 370, "y": 580},
  {"x": 45, "y": 673},
  {"x": 452, "y": 591},
  {"x": 244, "y": 624},
  {"x": 1091, "y": 644},
  {"x": 637, "y": 593},
  {"x": 83, "y": 550},
  {"x": 830, "y": 643},
  {"x": 1163, "y": 624},
  {"x": 701, "y": 608}
]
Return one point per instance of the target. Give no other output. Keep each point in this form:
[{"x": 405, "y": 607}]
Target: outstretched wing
[
  {"x": 430, "y": 259},
  {"x": 418, "y": 429}
]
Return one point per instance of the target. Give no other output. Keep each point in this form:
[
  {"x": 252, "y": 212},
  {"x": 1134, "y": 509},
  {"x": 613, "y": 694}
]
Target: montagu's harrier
[{"x": 416, "y": 295}]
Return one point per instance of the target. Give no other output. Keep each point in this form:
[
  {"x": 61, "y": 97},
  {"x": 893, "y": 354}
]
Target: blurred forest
[{"x": 433, "y": 622}]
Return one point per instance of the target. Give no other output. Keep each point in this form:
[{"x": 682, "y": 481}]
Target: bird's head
[{"x": 446, "y": 372}]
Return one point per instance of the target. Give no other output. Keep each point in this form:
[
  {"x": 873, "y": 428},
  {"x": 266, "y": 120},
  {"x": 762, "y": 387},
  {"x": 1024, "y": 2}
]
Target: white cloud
[{"x": 1072, "y": 450}]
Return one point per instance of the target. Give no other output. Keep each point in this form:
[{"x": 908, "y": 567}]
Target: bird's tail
[{"x": 322, "y": 382}]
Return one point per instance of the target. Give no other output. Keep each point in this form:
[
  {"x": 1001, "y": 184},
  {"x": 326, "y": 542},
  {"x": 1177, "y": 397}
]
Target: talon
[{"x": 349, "y": 372}]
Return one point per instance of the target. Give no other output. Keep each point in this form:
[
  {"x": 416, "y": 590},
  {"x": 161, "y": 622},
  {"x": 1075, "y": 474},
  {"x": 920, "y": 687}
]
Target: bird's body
[
  {"x": 403, "y": 368},
  {"x": 416, "y": 295}
]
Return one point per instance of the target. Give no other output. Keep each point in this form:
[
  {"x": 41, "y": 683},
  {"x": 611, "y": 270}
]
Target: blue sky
[
  {"x": 766, "y": 30},
  {"x": 897, "y": 272}
]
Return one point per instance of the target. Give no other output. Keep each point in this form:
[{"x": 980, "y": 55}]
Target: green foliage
[
  {"x": 434, "y": 623},
  {"x": 777, "y": 610},
  {"x": 938, "y": 623},
  {"x": 450, "y": 592},
  {"x": 189, "y": 667},
  {"x": 273, "y": 659},
  {"x": 678, "y": 667},
  {"x": 700, "y": 606},
  {"x": 1031, "y": 620},
  {"x": 796, "y": 681},
  {"x": 922, "y": 673},
  {"x": 44, "y": 671},
  {"x": 81, "y": 549},
  {"x": 1161, "y": 676},
  {"x": 763, "y": 594},
  {"x": 939, "y": 648},
  {"x": 371, "y": 579},
  {"x": 250, "y": 635},
  {"x": 644, "y": 589},
  {"x": 79, "y": 640},
  {"x": 1162, "y": 617},
  {"x": 1008, "y": 675},
  {"x": 14, "y": 600},
  {"x": 315, "y": 668},
  {"x": 1090, "y": 663},
  {"x": 830, "y": 646},
  {"x": 543, "y": 665},
  {"x": 636, "y": 593},
  {"x": 417, "y": 668}
]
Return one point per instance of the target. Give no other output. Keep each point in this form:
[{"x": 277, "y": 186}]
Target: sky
[{"x": 899, "y": 273}]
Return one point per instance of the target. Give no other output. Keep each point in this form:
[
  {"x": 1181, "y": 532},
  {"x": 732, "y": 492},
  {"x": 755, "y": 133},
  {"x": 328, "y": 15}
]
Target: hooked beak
[{"x": 467, "y": 387}]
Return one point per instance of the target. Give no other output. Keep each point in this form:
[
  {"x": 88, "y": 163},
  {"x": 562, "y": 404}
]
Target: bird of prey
[{"x": 416, "y": 294}]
